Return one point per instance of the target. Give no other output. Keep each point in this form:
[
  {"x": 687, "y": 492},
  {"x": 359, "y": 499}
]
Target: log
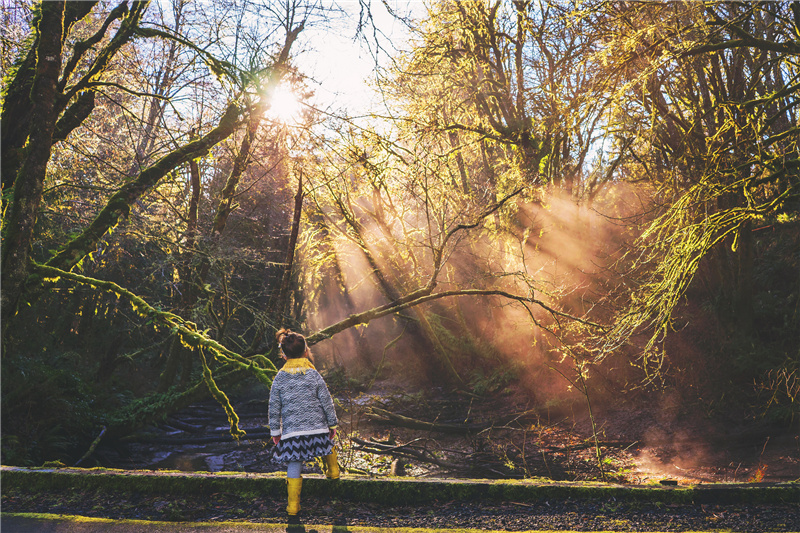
[
  {"x": 587, "y": 445},
  {"x": 381, "y": 415},
  {"x": 204, "y": 439},
  {"x": 403, "y": 450},
  {"x": 95, "y": 442}
]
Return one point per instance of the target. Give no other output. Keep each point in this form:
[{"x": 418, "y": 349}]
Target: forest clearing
[{"x": 550, "y": 240}]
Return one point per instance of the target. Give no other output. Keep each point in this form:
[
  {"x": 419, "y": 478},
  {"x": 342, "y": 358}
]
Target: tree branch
[
  {"x": 124, "y": 34},
  {"x": 81, "y": 47},
  {"x": 118, "y": 205},
  {"x": 395, "y": 307},
  {"x": 187, "y": 330}
]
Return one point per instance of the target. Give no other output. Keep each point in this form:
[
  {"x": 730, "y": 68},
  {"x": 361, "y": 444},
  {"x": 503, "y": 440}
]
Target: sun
[{"x": 284, "y": 105}]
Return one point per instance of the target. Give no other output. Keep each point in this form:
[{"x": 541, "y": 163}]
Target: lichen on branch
[{"x": 259, "y": 366}]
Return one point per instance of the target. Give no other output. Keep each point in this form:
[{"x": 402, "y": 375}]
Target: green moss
[
  {"x": 386, "y": 491},
  {"x": 146, "y": 525},
  {"x": 222, "y": 399}
]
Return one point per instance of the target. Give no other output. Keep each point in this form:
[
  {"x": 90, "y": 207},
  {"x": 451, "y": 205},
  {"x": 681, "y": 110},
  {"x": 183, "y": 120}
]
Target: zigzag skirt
[{"x": 303, "y": 448}]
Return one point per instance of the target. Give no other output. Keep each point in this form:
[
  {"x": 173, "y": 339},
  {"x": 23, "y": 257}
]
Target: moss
[
  {"x": 222, "y": 399},
  {"x": 146, "y": 525},
  {"x": 387, "y": 491},
  {"x": 187, "y": 330}
]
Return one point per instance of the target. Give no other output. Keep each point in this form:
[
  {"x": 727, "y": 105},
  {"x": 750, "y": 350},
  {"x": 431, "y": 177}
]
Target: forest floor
[{"x": 391, "y": 431}]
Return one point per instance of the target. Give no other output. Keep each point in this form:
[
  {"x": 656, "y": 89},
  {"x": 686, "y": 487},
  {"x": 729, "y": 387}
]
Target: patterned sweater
[{"x": 299, "y": 401}]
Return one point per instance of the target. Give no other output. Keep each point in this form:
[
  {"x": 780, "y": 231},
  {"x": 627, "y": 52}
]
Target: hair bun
[
  {"x": 291, "y": 344},
  {"x": 281, "y": 333}
]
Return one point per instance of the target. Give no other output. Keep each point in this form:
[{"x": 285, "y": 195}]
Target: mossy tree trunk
[
  {"x": 199, "y": 273},
  {"x": 29, "y": 182},
  {"x": 18, "y": 114},
  {"x": 49, "y": 95},
  {"x": 196, "y": 267}
]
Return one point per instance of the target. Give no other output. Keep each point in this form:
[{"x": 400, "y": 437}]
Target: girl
[{"x": 302, "y": 418}]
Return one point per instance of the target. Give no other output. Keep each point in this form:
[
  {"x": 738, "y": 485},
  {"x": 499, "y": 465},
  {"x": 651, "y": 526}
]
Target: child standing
[{"x": 302, "y": 418}]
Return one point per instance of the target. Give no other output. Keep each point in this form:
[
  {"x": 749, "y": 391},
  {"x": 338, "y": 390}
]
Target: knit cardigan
[{"x": 299, "y": 401}]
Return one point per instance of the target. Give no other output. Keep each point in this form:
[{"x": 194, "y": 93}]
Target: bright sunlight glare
[{"x": 284, "y": 105}]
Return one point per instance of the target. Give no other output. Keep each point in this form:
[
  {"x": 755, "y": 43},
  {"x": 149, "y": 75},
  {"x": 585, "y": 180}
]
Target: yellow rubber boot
[
  {"x": 294, "y": 487},
  {"x": 332, "y": 465}
]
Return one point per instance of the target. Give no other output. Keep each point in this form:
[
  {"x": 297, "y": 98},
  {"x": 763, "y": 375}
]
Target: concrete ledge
[{"x": 386, "y": 491}]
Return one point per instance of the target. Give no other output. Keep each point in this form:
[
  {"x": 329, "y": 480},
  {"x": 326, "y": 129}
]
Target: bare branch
[{"x": 394, "y": 307}]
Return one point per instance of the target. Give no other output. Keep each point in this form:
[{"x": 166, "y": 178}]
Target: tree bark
[
  {"x": 424, "y": 296},
  {"x": 226, "y": 204},
  {"x": 42, "y": 128},
  {"x": 18, "y": 113},
  {"x": 29, "y": 183},
  {"x": 744, "y": 257},
  {"x": 452, "y": 136},
  {"x": 240, "y": 163},
  {"x": 194, "y": 204},
  {"x": 283, "y": 294}
]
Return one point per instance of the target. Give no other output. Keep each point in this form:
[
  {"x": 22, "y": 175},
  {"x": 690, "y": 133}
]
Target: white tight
[{"x": 293, "y": 469}]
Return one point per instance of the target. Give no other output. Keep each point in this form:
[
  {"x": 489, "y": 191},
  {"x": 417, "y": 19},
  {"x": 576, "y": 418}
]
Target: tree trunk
[
  {"x": 29, "y": 183},
  {"x": 226, "y": 206},
  {"x": 744, "y": 258},
  {"x": 163, "y": 83},
  {"x": 452, "y": 136},
  {"x": 167, "y": 377},
  {"x": 283, "y": 294},
  {"x": 18, "y": 114},
  {"x": 194, "y": 204},
  {"x": 240, "y": 163},
  {"x": 46, "y": 101},
  {"x": 177, "y": 352}
]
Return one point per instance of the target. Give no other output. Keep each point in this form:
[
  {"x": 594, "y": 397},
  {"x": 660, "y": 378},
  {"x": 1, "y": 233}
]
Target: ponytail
[{"x": 292, "y": 344}]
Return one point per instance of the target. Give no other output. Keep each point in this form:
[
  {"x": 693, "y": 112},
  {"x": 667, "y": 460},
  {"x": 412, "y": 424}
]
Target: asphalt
[
  {"x": 16, "y": 523},
  {"x": 20, "y": 523}
]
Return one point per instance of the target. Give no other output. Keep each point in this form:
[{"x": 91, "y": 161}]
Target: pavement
[
  {"x": 29, "y": 523},
  {"x": 42, "y": 523}
]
